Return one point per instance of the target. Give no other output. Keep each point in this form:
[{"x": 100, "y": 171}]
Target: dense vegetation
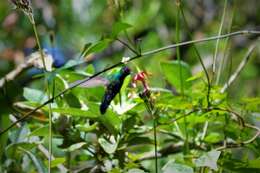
[{"x": 184, "y": 106}]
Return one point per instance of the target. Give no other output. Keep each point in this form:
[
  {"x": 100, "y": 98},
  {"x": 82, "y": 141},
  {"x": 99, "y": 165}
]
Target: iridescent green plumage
[{"x": 113, "y": 88}]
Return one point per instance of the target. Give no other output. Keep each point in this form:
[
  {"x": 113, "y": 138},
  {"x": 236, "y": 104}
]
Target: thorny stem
[{"x": 131, "y": 59}]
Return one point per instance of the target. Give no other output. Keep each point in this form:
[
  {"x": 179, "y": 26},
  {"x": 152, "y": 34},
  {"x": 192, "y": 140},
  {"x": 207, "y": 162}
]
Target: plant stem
[
  {"x": 239, "y": 68},
  {"x": 217, "y": 44},
  {"x": 48, "y": 93},
  {"x": 150, "y": 108},
  {"x": 178, "y": 4},
  {"x": 177, "y": 35},
  {"x": 155, "y": 144}
]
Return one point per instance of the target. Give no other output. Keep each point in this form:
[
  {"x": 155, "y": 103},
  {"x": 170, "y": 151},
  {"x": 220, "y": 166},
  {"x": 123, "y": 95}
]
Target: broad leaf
[
  {"x": 34, "y": 95},
  {"x": 97, "y": 47},
  {"x": 76, "y": 146},
  {"x": 135, "y": 170},
  {"x": 119, "y": 27},
  {"x": 171, "y": 70},
  {"x": 76, "y": 112},
  {"x": 108, "y": 146},
  {"x": 209, "y": 159},
  {"x": 172, "y": 167},
  {"x": 36, "y": 161},
  {"x": 42, "y": 131},
  {"x": 57, "y": 161}
]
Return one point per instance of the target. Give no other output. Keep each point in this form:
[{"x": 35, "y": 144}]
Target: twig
[
  {"x": 168, "y": 150},
  {"x": 201, "y": 40},
  {"x": 239, "y": 69},
  {"x": 255, "y": 136},
  {"x": 235, "y": 145},
  {"x": 131, "y": 59},
  {"x": 128, "y": 46},
  {"x": 32, "y": 61}
]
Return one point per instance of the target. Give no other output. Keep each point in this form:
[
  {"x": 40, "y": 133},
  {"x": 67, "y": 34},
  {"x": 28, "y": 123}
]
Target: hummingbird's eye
[{"x": 126, "y": 70}]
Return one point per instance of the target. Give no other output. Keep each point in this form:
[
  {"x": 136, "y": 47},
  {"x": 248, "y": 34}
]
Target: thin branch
[
  {"x": 232, "y": 34},
  {"x": 128, "y": 46},
  {"x": 240, "y": 119},
  {"x": 255, "y": 136},
  {"x": 32, "y": 61},
  {"x": 131, "y": 59},
  {"x": 239, "y": 69}
]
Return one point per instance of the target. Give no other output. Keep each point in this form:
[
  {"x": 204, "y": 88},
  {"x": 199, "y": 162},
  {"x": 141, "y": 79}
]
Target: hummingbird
[
  {"x": 113, "y": 85},
  {"x": 113, "y": 88}
]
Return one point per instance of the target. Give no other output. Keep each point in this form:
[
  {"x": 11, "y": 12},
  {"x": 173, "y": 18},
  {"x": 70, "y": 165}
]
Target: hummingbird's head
[{"x": 125, "y": 71}]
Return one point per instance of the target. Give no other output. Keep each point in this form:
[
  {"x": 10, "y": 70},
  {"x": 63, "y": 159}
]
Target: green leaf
[
  {"x": 213, "y": 138},
  {"x": 108, "y": 146},
  {"x": 251, "y": 103},
  {"x": 171, "y": 71},
  {"x": 209, "y": 159},
  {"x": 254, "y": 163},
  {"x": 72, "y": 63},
  {"x": 135, "y": 170},
  {"x": 97, "y": 47},
  {"x": 11, "y": 149},
  {"x": 42, "y": 131},
  {"x": 4, "y": 123},
  {"x": 57, "y": 161},
  {"x": 111, "y": 122},
  {"x": 76, "y": 112},
  {"x": 196, "y": 76},
  {"x": 87, "y": 128},
  {"x": 34, "y": 95},
  {"x": 36, "y": 161},
  {"x": 75, "y": 146},
  {"x": 72, "y": 100},
  {"x": 172, "y": 167},
  {"x": 119, "y": 27},
  {"x": 86, "y": 46}
]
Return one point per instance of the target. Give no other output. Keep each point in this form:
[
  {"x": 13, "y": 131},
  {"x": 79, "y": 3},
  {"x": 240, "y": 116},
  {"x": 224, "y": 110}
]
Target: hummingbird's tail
[{"x": 105, "y": 103}]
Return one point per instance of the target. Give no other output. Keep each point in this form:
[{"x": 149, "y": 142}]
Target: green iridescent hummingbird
[
  {"x": 113, "y": 88},
  {"x": 113, "y": 85}
]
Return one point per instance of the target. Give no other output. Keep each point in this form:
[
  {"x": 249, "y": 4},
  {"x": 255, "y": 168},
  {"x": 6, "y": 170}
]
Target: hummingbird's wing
[
  {"x": 112, "y": 90},
  {"x": 94, "y": 82}
]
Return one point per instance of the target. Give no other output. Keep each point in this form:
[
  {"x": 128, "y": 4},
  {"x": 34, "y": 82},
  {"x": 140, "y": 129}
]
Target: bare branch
[{"x": 239, "y": 69}]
